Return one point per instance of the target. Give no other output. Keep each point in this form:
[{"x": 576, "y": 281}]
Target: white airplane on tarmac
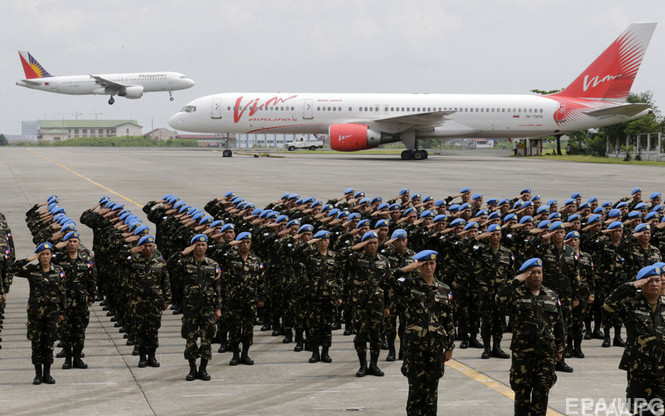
[
  {"x": 131, "y": 85},
  {"x": 596, "y": 98}
]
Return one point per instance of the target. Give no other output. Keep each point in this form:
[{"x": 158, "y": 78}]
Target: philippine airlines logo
[
  {"x": 597, "y": 80},
  {"x": 255, "y": 105}
]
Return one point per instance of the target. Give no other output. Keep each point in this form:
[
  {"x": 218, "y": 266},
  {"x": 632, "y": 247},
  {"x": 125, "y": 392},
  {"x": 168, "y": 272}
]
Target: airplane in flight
[
  {"x": 597, "y": 97},
  {"x": 130, "y": 85}
]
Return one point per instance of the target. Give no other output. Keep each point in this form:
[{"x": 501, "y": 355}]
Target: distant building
[
  {"x": 29, "y": 129},
  {"x": 56, "y": 130},
  {"x": 162, "y": 134}
]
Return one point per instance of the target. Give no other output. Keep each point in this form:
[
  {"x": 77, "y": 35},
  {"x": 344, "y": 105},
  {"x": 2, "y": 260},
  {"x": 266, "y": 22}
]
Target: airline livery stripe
[{"x": 88, "y": 179}]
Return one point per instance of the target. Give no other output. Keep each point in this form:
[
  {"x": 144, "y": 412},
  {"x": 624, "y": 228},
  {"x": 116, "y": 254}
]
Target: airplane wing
[
  {"x": 109, "y": 85},
  {"x": 627, "y": 110},
  {"x": 430, "y": 119}
]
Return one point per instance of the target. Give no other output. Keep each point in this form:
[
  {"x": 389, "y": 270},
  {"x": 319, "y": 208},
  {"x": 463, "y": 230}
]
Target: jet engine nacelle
[
  {"x": 351, "y": 137},
  {"x": 132, "y": 92}
]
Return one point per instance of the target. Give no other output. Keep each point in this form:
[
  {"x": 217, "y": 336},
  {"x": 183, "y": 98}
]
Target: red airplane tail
[
  {"x": 611, "y": 75},
  {"x": 31, "y": 67}
]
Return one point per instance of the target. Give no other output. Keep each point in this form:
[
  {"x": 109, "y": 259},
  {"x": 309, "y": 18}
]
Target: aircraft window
[
  {"x": 482, "y": 110},
  {"x": 530, "y": 110},
  {"x": 318, "y": 108},
  {"x": 334, "y": 109},
  {"x": 350, "y": 108},
  {"x": 188, "y": 109}
]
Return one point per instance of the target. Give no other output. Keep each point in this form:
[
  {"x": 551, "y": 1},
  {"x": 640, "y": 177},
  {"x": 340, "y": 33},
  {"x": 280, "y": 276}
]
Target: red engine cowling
[{"x": 351, "y": 137}]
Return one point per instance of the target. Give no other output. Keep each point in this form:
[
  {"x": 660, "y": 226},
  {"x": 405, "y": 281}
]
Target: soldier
[
  {"x": 150, "y": 294},
  {"x": 430, "y": 332},
  {"x": 201, "y": 302},
  {"x": 369, "y": 273},
  {"x": 46, "y": 306},
  {"x": 638, "y": 251},
  {"x": 538, "y": 337},
  {"x": 80, "y": 283},
  {"x": 243, "y": 290},
  {"x": 587, "y": 294},
  {"x": 641, "y": 307}
]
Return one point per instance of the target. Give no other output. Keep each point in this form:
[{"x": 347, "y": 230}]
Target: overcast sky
[{"x": 430, "y": 46}]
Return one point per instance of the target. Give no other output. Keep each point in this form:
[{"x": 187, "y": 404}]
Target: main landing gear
[
  {"x": 414, "y": 154},
  {"x": 111, "y": 100}
]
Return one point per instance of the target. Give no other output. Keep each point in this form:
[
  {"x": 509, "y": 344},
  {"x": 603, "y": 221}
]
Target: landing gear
[
  {"x": 227, "y": 153},
  {"x": 414, "y": 154},
  {"x": 171, "y": 95},
  {"x": 111, "y": 100}
]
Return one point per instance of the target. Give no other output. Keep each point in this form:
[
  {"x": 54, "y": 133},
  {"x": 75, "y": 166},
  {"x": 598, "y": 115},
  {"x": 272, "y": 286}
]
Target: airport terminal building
[{"x": 57, "y": 130}]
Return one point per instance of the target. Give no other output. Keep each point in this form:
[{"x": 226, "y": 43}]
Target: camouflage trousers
[
  {"x": 466, "y": 311},
  {"x": 320, "y": 316},
  {"x": 491, "y": 318},
  {"x": 531, "y": 378},
  {"x": 423, "y": 367},
  {"x": 578, "y": 315},
  {"x": 367, "y": 323},
  {"x": 198, "y": 322},
  {"x": 240, "y": 319},
  {"x": 567, "y": 315},
  {"x": 390, "y": 323},
  {"x": 42, "y": 332},
  {"x": 75, "y": 322},
  {"x": 147, "y": 321},
  {"x": 645, "y": 394}
]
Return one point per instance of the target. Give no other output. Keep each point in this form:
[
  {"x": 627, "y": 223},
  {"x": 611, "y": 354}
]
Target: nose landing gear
[
  {"x": 171, "y": 95},
  {"x": 111, "y": 100}
]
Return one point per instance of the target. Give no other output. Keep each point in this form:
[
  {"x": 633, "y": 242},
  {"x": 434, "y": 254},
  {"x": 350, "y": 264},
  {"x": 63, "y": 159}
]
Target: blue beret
[
  {"x": 399, "y": 233},
  {"x": 57, "y": 210},
  {"x": 409, "y": 211},
  {"x": 575, "y": 217},
  {"x": 44, "y": 246},
  {"x": 322, "y": 234},
  {"x": 281, "y": 218},
  {"x": 377, "y": 199},
  {"x": 415, "y": 196},
  {"x": 552, "y": 202},
  {"x": 293, "y": 222},
  {"x": 104, "y": 200},
  {"x": 286, "y": 195},
  {"x": 648, "y": 271},
  {"x": 178, "y": 204},
  {"x": 244, "y": 236},
  {"x": 477, "y": 196},
  {"x": 217, "y": 223},
  {"x": 71, "y": 234},
  {"x": 242, "y": 205},
  {"x": 183, "y": 208},
  {"x": 426, "y": 255},
  {"x": 650, "y": 216},
  {"x": 271, "y": 215},
  {"x": 593, "y": 218},
  {"x": 403, "y": 191},
  {"x": 517, "y": 204},
  {"x": 426, "y": 213},
  {"x": 381, "y": 206},
  {"x": 510, "y": 217},
  {"x": 491, "y": 201},
  {"x": 526, "y": 204},
  {"x": 143, "y": 229},
  {"x": 642, "y": 227},
  {"x": 494, "y": 227},
  {"x": 237, "y": 200},
  {"x": 228, "y": 194},
  {"x": 368, "y": 235},
  {"x": 362, "y": 223},
  {"x": 133, "y": 225},
  {"x": 334, "y": 212},
  {"x": 146, "y": 239},
  {"x": 635, "y": 190},
  {"x": 440, "y": 217},
  {"x": 52, "y": 198},
  {"x": 622, "y": 204},
  {"x": 465, "y": 190},
  {"x": 228, "y": 227},
  {"x": 534, "y": 262},
  {"x": 464, "y": 206},
  {"x": 394, "y": 207},
  {"x": 493, "y": 215},
  {"x": 544, "y": 208},
  {"x": 658, "y": 208},
  {"x": 570, "y": 201},
  {"x": 482, "y": 212},
  {"x": 458, "y": 222},
  {"x": 306, "y": 228},
  {"x": 598, "y": 210},
  {"x": 428, "y": 198},
  {"x": 471, "y": 226},
  {"x": 572, "y": 234},
  {"x": 199, "y": 238},
  {"x": 328, "y": 207},
  {"x": 525, "y": 191},
  {"x": 556, "y": 225},
  {"x": 359, "y": 195},
  {"x": 363, "y": 201},
  {"x": 70, "y": 226},
  {"x": 655, "y": 195},
  {"x": 634, "y": 214},
  {"x": 615, "y": 224},
  {"x": 353, "y": 216},
  {"x": 503, "y": 201},
  {"x": 382, "y": 223},
  {"x": 535, "y": 198},
  {"x": 257, "y": 211},
  {"x": 348, "y": 191},
  {"x": 544, "y": 224},
  {"x": 614, "y": 213},
  {"x": 606, "y": 204},
  {"x": 264, "y": 213},
  {"x": 205, "y": 220},
  {"x": 453, "y": 208},
  {"x": 526, "y": 218},
  {"x": 554, "y": 215},
  {"x": 342, "y": 214},
  {"x": 197, "y": 216},
  {"x": 660, "y": 265},
  {"x": 576, "y": 195},
  {"x": 118, "y": 206},
  {"x": 308, "y": 200}
]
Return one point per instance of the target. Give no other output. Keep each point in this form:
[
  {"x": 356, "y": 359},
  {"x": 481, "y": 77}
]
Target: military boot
[
  {"x": 142, "y": 359},
  {"x": 348, "y": 329},
  {"x": 465, "y": 340},
  {"x": 325, "y": 357},
  {"x": 38, "y": 375},
  {"x": 568, "y": 352},
  {"x": 152, "y": 361},
  {"x": 577, "y": 349},
  {"x": 203, "y": 374},
  {"x": 487, "y": 352},
  {"x": 244, "y": 357},
  {"x": 235, "y": 360},
  {"x": 587, "y": 329},
  {"x": 497, "y": 352},
  {"x": 62, "y": 353},
  {"x": 47, "y": 374},
  {"x": 78, "y": 363},
  {"x": 391, "y": 350},
  {"x": 373, "y": 366},
  {"x": 618, "y": 341},
  {"x": 362, "y": 371},
  {"x": 289, "y": 337},
  {"x": 563, "y": 367},
  {"x": 68, "y": 359},
  {"x": 299, "y": 341},
  {"x": 192, "y": 371},
  {"x": 596, "y": 334},
  {"x": 315, "y": 358},
  {"x": 474, "y": 343}
]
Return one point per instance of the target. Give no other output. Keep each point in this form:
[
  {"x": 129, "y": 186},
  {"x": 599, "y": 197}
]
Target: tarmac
[{"x": 281, "y": 382}]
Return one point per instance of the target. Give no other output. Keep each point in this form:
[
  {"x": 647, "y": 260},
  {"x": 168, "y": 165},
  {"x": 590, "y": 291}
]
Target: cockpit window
[{"x": 188, "y": 109}]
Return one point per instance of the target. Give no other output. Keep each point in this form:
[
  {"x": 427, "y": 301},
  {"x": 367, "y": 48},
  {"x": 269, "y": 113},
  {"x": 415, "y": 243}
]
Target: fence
[{"x": 649, "y": 146}]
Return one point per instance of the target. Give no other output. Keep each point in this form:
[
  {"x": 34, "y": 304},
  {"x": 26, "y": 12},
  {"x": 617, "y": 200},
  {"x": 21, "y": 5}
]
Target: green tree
[{"x": 3, "y": 140}]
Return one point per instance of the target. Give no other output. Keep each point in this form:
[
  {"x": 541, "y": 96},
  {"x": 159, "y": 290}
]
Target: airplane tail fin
[
  {"x": 611, "y": 75},
  {"x": 31, "y": 67}
]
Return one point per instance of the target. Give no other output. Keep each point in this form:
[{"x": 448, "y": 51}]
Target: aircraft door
[
  {"x": 308, "y": 109},
  {"x": 216, "y": 111}
]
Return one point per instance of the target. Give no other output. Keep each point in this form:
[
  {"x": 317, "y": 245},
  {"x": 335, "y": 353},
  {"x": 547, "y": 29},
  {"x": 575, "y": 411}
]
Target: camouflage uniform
[
  {"x": 538, "y": 334},
  {"x": 397, "y": 261},
  {"x": 45, "y": 305},
  {"x": 644, "y": 356},
  {"x": 636, "y": 257},
  {"x": 202, "y": 288},
  {"x": 587, "y": 288},
  {"x": 430, "y": 331}
]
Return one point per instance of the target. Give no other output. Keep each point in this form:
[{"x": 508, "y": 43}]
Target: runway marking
[
  {"x": 87, "y": 179},
  {"x": 490, "y": 382}
]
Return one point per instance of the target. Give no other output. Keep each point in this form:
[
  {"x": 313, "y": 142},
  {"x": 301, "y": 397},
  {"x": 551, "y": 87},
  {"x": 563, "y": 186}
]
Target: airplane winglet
[{"x": 31, "y": 67}]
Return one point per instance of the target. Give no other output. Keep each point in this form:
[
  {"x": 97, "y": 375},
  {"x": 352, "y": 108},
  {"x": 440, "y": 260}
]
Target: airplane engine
[
  {"x": 132, "y": 92},
  {"x": 351, "y": 137}
]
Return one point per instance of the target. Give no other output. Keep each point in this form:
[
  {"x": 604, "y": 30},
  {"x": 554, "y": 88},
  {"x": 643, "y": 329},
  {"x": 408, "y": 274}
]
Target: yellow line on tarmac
[
  {"x": 489, "y": 382},
  {"x": 87, "y": 179}
]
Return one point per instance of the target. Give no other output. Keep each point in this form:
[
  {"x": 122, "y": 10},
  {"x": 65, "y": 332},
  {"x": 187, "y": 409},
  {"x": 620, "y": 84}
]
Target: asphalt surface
[{"x": 281, "y": 382}]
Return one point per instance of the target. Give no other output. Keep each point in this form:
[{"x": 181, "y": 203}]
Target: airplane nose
[
  {"x": 190, "y": 83},
  {"x": 176, "y": 121}
]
